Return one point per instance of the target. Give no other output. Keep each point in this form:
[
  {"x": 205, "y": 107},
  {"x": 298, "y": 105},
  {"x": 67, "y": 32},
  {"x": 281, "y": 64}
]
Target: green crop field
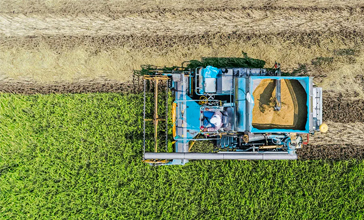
[{"x": 80, "y": 157}]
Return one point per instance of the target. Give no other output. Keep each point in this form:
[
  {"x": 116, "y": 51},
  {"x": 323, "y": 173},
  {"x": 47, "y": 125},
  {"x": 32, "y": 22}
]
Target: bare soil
[
  {"x": 331, "y": 152},
  {"x": 341, "y": 108}
]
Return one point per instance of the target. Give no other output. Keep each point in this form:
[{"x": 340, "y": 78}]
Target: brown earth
[
  {"x": 331, "y": 152},
  {"x": 340, "y": 108}
]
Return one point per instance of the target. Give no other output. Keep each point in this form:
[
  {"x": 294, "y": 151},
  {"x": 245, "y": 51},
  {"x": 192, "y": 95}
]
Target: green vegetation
[
  {"x": 218, "y": 62},
  {"x": 221, "y": 62},
  {"x": 346, "y": 52},
  {"x": 202, "y": 146},
  {"x": 319, "y": 61},
  {"x": 79, "y": 157}
]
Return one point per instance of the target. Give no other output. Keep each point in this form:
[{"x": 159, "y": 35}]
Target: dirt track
[
  {"x": 164, "y": 42},
  {"x": 191, "y": 22},
  {"x": 311, "y": 25}
]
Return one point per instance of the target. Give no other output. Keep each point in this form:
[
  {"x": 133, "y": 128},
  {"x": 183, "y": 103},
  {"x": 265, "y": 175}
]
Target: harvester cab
[{"x": 247, "y": 113}]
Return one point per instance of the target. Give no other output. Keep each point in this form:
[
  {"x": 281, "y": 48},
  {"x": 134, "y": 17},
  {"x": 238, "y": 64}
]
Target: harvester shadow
[
  {"x": 265, "y": 97},
  {"x": 300, "y": 107}
]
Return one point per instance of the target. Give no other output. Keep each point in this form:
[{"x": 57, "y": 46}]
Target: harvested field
[
  {"x": 60, "y": 59},
  {"x": 56, "y": 41}
]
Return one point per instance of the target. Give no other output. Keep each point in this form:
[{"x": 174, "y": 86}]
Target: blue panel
[
  {"x": 210, "y": 72},
  {"x": 307, "y": 89},
  {"x": 192, "y": 117},
  {"x": 240, "y": 93}
]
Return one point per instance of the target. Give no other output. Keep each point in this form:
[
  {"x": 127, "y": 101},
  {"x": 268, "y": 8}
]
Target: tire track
[
  {"x": 125, "y": 7},
  {"x": 164, "y": 42},
  {"x": 172, "y": 24}
]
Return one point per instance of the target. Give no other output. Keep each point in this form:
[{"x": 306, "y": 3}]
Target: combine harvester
[{"x": 248, "y": 113}]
